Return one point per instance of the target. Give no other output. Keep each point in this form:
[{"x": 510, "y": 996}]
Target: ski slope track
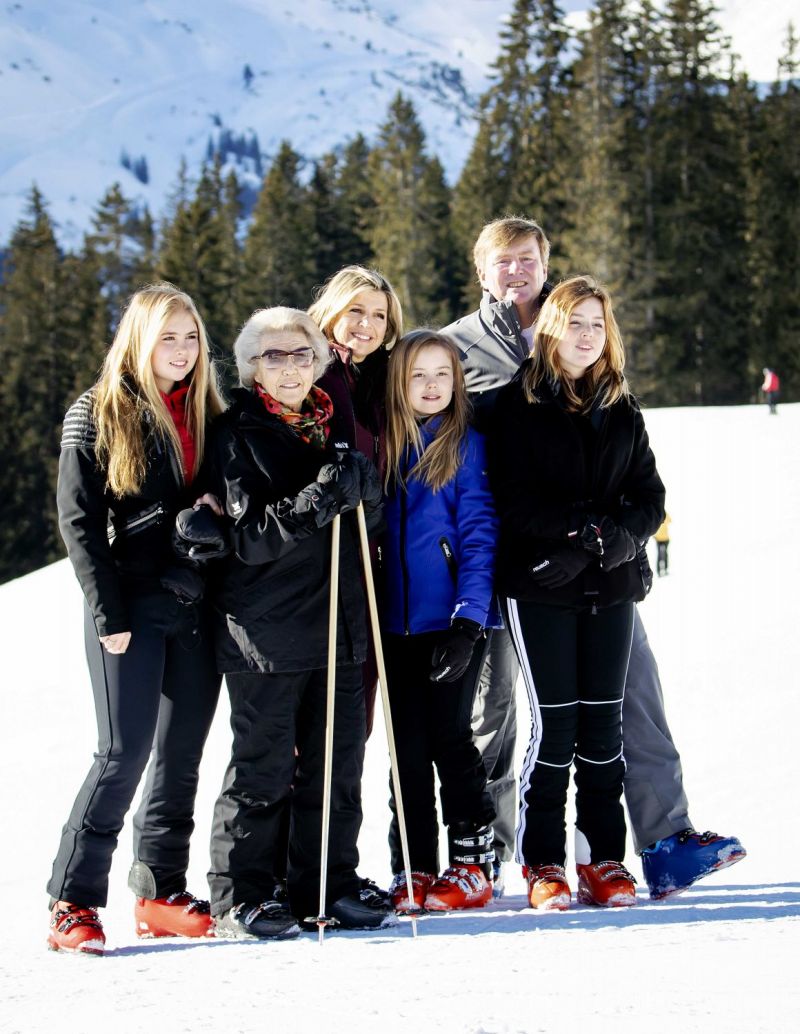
[{"x": 721, "y": 957}]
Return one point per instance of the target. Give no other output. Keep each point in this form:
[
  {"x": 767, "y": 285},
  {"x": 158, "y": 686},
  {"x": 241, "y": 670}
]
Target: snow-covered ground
[{"x": 724, "y": 627}]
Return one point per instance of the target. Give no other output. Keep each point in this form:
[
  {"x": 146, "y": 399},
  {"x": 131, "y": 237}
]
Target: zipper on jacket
[{"x": 140, "y": 522}]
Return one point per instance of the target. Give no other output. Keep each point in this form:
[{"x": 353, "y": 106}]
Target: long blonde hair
[
  {"x": 441, "y": 460},
  {"x": 126, "y": 392},
  {"x": 339, "y": 291},
  {"x": 604, "y": 380}
]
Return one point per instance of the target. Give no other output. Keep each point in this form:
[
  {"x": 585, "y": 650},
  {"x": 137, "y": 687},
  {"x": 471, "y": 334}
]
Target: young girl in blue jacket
[{"x": 438, "y": 562}]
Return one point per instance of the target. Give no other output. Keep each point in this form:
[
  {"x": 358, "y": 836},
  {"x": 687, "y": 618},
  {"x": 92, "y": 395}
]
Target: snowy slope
[
  {"x": 84, "y": 83},
  {"x": 722, "y": 957}
]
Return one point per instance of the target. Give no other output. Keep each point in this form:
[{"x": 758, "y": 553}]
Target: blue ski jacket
[{"x": 439, "y": 549}]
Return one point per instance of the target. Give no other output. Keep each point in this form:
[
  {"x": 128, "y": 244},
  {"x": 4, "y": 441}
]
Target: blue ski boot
[{"x": 672, "y": 865}]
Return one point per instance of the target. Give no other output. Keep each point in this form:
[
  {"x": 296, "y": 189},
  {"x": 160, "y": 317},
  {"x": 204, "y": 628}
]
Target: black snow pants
[
  {"x": 271, "y": 714},
  {"x": 159, "y": 695},
  {"x": 432, "y": 729},
  {"x": 574, "y": 664}
]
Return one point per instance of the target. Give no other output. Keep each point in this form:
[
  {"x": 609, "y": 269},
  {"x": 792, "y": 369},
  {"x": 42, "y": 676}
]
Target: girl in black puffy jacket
[
  {"x": 130, "y": 450},
  {"x": 578, "y": 495}
]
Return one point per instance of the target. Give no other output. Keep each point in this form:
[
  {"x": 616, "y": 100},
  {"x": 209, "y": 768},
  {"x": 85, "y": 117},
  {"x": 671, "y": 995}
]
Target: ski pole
[
  {"x": 387, "y": 715},
  {"x": 322, "y": 920}
]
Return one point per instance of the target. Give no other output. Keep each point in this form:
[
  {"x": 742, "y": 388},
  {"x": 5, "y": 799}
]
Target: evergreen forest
[{"x": 646, "y": 153}]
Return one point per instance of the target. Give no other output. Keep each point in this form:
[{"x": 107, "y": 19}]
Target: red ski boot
[
  {"x": 421, "y": 883},
  {"x": 548, "y": 889},
  {"x": 75, "y": 929},
  {"x": 459, "y": 886},
  {"x": 179, "y": 915},
  {"x": 607, "y": 884}
]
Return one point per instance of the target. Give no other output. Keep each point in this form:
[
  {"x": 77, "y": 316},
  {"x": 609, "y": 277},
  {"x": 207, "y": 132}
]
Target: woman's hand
[
  {"x": 116, "y": 643},
  {"x": 209, "y": 499}
]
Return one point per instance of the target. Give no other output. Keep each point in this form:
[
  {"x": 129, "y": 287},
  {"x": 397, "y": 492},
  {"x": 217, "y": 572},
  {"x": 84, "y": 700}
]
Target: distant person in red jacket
[{"x": 771, "y": 388}]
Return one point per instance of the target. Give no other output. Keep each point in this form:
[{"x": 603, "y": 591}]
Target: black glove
[
  {"x": 185, "y": 580},
  {"x": 560, "y": 567},
  {"x": 452, "y": 656},
  {"x": 200, "y": 535},
  {"x": 613, "y": 544},
  {"x": 342, "y": 480},
  {"x": 371, "y": 489}
]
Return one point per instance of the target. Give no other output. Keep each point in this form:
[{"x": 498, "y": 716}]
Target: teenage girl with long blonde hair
[{"x": 131, "y": 448}]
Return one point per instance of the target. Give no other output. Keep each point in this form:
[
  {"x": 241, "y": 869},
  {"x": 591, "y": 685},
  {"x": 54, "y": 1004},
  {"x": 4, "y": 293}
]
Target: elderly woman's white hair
[{"x": 254, "y": 338}]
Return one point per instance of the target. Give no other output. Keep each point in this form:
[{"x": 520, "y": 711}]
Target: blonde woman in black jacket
[
  {"x": 578, "y": 495},
  {"x": 131, "y": 448}
]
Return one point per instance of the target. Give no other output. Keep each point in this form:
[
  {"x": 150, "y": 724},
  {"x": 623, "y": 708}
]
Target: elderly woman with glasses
[{"x": 281, "y": 483}]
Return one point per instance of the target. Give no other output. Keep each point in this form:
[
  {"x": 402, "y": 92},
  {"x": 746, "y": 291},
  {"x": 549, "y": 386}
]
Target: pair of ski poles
[{"x": 322, "y": 920}]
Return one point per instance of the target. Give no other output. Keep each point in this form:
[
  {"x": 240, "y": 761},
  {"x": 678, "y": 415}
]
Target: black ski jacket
[
  {"x": 271, "y": 595},
  {"x": 117, "y": 546},
  {"x": 549, "y": 472}
]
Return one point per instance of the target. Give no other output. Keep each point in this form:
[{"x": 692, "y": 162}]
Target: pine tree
[
  {"x": 407, "y": 224},
  {"x": 327, "y": 217},
  {"x": 355, "y": 202},
  {"x": 641, "y": 132},
  {"x": 119, "y": 258},
  {"x": 36, "y": 382},
  {"x": 702, "y": 331},
  {"x": 340, "y": 200},
  {"x": 596, "y": 236},
  {"x": 776, "y": 227},
  {"x": 200, "y": 254},
  {"x": 278, "y": 258},
  {"x": 516, "y": 163},
  {"x": 536, "y": 179}
]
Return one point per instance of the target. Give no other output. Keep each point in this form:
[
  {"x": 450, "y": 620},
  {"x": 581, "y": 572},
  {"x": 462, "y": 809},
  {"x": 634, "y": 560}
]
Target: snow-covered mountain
[
  {"x": 92, "y": 92},
  {"x": 720, "y": 958}
]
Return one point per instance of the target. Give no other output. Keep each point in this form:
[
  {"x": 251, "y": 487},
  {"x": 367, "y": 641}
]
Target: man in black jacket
[{"x": 511, "y": 259}]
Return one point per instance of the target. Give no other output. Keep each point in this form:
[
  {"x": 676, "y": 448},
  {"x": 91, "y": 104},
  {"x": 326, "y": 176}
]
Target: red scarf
[
  {"x": 176, "y": 405},
  {"x": 311, "y": 424}
]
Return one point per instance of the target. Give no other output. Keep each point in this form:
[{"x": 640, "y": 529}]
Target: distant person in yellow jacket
[{"x": 662, "y": 542}]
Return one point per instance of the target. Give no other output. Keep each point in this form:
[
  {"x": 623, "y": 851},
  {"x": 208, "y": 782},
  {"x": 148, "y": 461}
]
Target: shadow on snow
[{"x": 722, "y": 904}]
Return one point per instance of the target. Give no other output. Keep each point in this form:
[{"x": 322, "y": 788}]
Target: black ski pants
[
  {"x": 574, "y": 663},
  {"x": 159, "y": 695},
  {"x": 432, "y": 728},
  {"x": 271, "y": 714}
]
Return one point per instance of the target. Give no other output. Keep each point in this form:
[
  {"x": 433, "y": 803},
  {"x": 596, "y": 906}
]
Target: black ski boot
[
  {"x": 269, "y": 919},
  {"x": 369, "y": 909}
]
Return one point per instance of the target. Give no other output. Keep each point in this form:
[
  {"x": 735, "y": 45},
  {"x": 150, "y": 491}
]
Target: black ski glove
[
  {"x": 452, "y": 656},
  {"x": 610, "y": 542},
  {"x": 342, "y": 480},
  {"x": 560, "y": 567},
  {"x": 371, "y": 490},
  {"x": 200, "y": 535},
  {"x": 185, "y": 581}
]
